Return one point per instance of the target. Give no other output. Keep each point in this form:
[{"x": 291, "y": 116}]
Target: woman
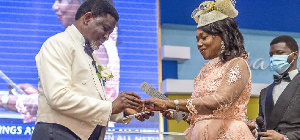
[{"x": 218, "y": 105}]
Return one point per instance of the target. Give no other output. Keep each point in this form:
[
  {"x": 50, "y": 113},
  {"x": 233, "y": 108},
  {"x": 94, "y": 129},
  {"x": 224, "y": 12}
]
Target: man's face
[
  {"x": 279, "y": 49},
  {"x": 66, "y": 10},
  {"x": 98, "y": 30}
]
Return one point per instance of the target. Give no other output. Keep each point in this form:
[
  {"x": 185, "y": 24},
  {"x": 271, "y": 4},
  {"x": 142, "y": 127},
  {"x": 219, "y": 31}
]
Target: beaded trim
[
  {"x": 234, "y": 75},
  {"x": 191, "y": 107}
]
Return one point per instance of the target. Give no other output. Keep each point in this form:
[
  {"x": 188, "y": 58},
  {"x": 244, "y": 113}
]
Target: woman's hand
[
  {"x": 168, "y": 114},
  {"x": 155, "y": 104},
  {"x": 142, "y": 117}
]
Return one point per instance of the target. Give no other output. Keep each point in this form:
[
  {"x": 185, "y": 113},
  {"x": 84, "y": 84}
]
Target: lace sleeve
[
  {"x": 191, "y": 107},
  {"x": 236, "y": 76}
]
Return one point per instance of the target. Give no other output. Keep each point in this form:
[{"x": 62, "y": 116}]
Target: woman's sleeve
[{"x": 235, "y": 78}]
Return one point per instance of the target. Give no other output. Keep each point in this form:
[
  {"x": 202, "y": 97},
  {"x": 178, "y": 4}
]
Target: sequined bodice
[{"x": 208, "y": 82}]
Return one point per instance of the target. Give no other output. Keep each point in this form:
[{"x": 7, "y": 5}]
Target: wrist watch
[
  {"x": 285, "y": 137},
  {"x": 176, "y": 102}
]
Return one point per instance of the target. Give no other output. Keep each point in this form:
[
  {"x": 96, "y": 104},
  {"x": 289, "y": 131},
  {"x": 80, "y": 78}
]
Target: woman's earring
[{"x": 222, "y": 47}]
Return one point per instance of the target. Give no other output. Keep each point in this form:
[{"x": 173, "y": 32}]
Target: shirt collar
[
  {"x": 80, "y": 36},
  {"x": 293, "y": 73}
]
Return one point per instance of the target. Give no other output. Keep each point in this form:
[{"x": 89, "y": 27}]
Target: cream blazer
[{"x": 70, "y": 92}]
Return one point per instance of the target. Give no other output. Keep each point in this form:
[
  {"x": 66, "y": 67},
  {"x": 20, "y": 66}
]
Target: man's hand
[
  {"x": 126, "y": 100},
  {"x": 252, "y": 125},
  {"x": 270, "y": 135}
]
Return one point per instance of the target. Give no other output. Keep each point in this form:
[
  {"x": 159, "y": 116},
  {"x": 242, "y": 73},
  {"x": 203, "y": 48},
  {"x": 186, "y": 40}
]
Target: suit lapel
[
  {"x": 283, "y": 102},
  {"x": 269, "y": 104},
  {"x": 262, "y": 98},
  {"x": 79, "y": 47}
]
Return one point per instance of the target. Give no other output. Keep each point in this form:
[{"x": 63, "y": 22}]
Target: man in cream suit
[{"x": 72, "y": 99}]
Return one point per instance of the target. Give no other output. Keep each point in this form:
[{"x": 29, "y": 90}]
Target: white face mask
[{"x": 279, "y": 63}]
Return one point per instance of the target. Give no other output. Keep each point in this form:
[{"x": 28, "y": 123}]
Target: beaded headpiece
[{"x": 212, "y": 11}]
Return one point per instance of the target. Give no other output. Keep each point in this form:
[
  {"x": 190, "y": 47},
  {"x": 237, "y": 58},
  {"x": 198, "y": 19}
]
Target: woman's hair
[{"x": 231, "y": 35}]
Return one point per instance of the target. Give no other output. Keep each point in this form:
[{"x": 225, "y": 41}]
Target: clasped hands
[
  {"x": 268, "y": 135},
  {"x": 131, "y": 104}
]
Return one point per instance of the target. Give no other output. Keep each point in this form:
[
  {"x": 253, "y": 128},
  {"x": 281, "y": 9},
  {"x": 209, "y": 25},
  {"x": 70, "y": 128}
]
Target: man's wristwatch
[
  {"x": 176, "y": 102},
  {"x": 285, "y": 137}
]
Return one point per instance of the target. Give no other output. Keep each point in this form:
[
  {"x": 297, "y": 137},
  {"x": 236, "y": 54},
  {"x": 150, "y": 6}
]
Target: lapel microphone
[{"x": 261, "y": 125}]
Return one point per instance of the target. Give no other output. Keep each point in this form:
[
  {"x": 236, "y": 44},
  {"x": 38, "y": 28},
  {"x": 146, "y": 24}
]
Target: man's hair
[
  {"x": 231, "y": 35},
  {"x": 97, "y": 8},
  {"x": 290, "y": 42}
]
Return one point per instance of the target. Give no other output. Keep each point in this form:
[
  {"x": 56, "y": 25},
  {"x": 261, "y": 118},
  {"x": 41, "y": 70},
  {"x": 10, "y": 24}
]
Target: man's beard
[{"x": 94, "y": 45}]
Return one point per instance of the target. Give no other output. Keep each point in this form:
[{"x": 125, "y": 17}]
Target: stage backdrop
[{"x": 26, "y": 24}]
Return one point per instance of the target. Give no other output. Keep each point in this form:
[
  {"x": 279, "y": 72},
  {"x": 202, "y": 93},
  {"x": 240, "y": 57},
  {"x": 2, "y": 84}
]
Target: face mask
[{"x": 279, "y": 63}]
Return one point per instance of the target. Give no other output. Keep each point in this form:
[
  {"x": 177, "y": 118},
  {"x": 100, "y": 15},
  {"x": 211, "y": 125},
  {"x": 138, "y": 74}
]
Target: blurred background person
[{"x": 26, "y": 104}]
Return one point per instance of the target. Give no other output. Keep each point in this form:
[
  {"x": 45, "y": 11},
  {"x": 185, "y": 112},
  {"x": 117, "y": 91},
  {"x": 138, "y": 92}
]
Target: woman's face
[
  {"x": 66, "y": 11},
  {"x": 208, "y": 45}
]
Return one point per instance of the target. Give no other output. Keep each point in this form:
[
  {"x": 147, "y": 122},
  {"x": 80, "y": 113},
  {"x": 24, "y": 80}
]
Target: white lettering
[
  {"x": 28, "y": 130},
  {"x": 121, "y": 138},
  {"x": 259, "y": 64},
  {"x": 109, "y": 137},
  {"x": 15, "y": 130}
]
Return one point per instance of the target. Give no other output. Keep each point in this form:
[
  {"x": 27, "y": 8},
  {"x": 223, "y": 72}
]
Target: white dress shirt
[{"x": 278, "y": 89}]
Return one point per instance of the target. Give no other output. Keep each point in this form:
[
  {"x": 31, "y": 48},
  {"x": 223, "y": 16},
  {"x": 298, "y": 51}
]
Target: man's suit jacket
[
  {"x": 285, "y": 116},
  {"x": 70, "y": 92}
]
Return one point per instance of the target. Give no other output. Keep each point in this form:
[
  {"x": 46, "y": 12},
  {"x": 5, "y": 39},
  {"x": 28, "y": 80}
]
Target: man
[
  {"x": 279, "y": 102},
  {"x": 107, "y": 52},
  {"x": 72, "y": 100}
]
